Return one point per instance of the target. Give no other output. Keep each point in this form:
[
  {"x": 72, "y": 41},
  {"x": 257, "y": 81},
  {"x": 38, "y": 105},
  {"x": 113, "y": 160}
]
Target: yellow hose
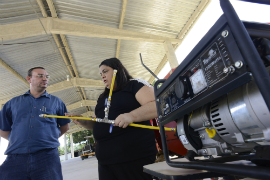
[
  {"x": 93, "y": 119},
  {"x": 151, "y": 127},
  {"x": 112, "y": 85}
]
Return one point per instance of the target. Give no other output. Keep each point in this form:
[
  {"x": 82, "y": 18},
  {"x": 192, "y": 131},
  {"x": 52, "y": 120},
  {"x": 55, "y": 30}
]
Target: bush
[{"x": 61, "y": 150}]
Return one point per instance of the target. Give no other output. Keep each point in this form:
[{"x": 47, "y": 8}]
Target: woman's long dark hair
[{"x": 122, "y": 75}]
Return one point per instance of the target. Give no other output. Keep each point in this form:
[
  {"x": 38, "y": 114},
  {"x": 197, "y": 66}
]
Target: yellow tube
[
  {"x": 151, "y": 127},
  {"x": 93, "y": 119},
  {"x": 112, "y": 85},
  {"x": 65, "y": 117}
]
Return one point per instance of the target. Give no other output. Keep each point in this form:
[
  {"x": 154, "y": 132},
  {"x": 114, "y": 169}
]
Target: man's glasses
[{"x": 42, "y": 76}]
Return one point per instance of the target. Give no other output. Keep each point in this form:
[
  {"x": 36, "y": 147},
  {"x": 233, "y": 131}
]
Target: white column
[
  {"x": 170, "y": 54},
  {"x": 1, "y": 106},
  {"x": 71, "y": 146},
  {"x": 65, "y": 138}
]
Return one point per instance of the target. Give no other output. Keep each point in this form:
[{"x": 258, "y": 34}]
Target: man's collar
[{"x": 44, "y": 94}]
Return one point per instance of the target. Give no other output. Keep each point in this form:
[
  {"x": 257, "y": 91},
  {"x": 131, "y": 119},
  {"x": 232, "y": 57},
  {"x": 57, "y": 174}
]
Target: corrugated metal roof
[
  {"x": 23, "y": 54},
  {"x": 13, "y": 11},
  {"x": 68, "y": 96},
  {"x": 93, "y": 12},
  {"x": 10, "y": 86},
  {"x": 158, "y": 17},
  {"x": 89, "y": 52},
  {"x": 152, "y": 54}
]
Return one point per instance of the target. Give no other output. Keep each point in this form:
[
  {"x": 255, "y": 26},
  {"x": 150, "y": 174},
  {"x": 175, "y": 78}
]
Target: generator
[{"x": 219, "y": 96}]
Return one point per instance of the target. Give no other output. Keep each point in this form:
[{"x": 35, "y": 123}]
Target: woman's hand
[
  {"x": 76, "y": 121},
  {"x": 123, "y": 120}
]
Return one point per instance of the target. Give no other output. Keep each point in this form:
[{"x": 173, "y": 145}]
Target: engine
[{"x": 233, "y": 123}]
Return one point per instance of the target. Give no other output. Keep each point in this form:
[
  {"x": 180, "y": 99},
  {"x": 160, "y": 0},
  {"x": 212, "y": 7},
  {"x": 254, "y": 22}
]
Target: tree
[
  {"x": 61, "y": 150},
  {"x": 78, "y": 137}
]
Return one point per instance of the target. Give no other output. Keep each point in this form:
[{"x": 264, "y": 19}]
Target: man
[{"x": 33, "y": 141}]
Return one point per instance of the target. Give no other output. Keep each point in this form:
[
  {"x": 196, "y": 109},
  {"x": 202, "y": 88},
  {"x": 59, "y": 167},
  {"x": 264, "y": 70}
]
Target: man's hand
[
  {"x": 4, "y": 134},
  {"x": 123, "y": 120},
  {"x": 76, "y": 121},
  {"x": 87, "y": 124}
]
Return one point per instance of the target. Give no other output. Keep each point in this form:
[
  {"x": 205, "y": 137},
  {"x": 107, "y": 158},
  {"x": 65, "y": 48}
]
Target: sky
[{"x": 246, "y": 11}]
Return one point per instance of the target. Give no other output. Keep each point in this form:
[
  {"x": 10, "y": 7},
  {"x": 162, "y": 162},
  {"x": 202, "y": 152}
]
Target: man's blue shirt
[{"x": 30, "y": 133}]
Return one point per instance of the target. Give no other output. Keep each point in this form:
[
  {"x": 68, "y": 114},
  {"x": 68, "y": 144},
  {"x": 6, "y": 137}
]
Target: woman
[{"x": 122, "y": 153}]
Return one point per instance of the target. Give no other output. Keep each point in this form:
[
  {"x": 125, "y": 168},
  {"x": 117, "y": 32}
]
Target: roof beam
[
  {"x": 64, "y": 41},
  {"x": 169, "y": 49},
  {"x": 52, "y": 8},
  {"x": 71, "y": 60},
  {"x": 81, "y": 104},
  {"x": 83, "y": 82},
  {"x": 42, "y": 9},
  {"x": 59, "y": 86},
  {"x": 74, "y": 82},
  {"x": 63, "y": 54},
  {"x": 123, "y": 12},
  {"x": 23, "y": 29},
  {"x": 70, "y": 107},
  {"x": 12, "y": 71},
  {"x": 60, "y": 26}
]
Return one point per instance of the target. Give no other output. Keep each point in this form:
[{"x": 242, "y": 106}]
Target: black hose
[{"x": 148, "y": 68}]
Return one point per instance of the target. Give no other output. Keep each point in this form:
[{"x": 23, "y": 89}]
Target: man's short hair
[{"x": 30, "y": 70}]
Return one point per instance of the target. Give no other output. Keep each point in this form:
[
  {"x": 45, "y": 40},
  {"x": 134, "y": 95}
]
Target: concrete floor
[{"x": 76, "y": 168}]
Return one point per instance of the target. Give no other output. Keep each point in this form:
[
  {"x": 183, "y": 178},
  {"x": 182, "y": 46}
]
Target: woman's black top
[{"x": 123, "y": 144}]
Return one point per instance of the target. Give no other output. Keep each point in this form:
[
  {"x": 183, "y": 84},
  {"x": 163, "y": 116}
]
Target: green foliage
[
  {"x": 79, "y": 147},
  {"x": 158, "y": 84},
  {"x": 61, "y": 150},
  {"x": 153, "y": 83},
  {"x": 78, "y": 137}
]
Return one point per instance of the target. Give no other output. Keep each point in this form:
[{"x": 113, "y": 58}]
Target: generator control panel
[{"x": 211, "y": 66}]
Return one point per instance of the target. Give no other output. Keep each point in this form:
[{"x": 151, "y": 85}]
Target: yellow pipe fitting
[{"x": 211, "y": 132}]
